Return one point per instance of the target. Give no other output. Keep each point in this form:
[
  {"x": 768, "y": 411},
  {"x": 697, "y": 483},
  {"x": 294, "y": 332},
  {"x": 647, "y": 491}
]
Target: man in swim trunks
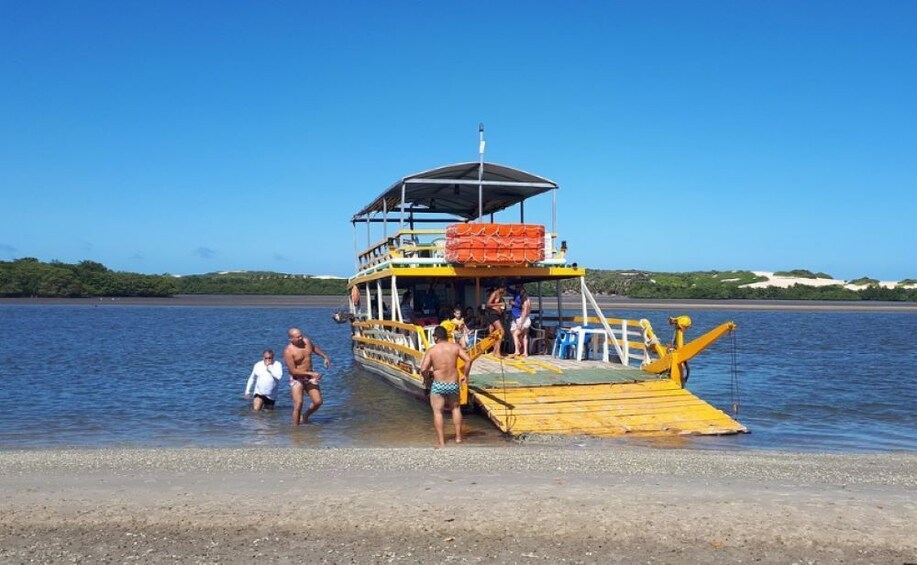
[
  {"x": 265, "y": 376},
  {"x": 298, "y": 357},
  {"x": 441, "y": 360}
]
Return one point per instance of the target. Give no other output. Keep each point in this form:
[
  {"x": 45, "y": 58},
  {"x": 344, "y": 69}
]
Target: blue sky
[{"x": 190, "y": 137}]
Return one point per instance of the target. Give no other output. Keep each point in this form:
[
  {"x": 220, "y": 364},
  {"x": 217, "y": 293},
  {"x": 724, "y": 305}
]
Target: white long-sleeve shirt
[{"x": 265, "y": 378}]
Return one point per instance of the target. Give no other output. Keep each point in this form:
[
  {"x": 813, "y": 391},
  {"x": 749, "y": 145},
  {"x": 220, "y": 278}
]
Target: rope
[
  {"x": 505, "y": 403},
  {"x": 735, "y": 379}
]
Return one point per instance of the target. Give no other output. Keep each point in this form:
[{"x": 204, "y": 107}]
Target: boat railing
[
  {"x": 413, "y": 244},
  {"x": 427, "y": 247},
  {"x": 627, "y": 338},
  {"x": 396, "y": 343},
  {"x": 627, "y": 333}
]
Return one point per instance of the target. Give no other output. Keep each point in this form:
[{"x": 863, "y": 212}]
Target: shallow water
[{"x": 107, "y": 376}]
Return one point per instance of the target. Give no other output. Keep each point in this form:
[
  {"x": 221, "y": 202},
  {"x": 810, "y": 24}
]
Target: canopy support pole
[
  {"x": 401, "y": 225},
  {"x": 553, "y": 217},
  {"x": 540, "y": 307},
  {"x": 582, "y": 289},
  {"x": 396, "y": 302},
  {"x": 477, "y": 295},
  {"x": 356, "y": 250}
]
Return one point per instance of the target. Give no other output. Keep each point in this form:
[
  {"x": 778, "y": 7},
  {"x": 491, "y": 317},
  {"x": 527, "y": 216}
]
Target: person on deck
[
  {"x": 521, "y": 308},
  {"x": 298, "y": 357},
  {"x": 439, "y": 363},
  {"x": 407, "y": 307},
  {"x": 460, "y": 329},
  {"x": 494, "y": 314},
  {"x": 430, "y": 301},
  {"x": 265, "y": 377},
  {"x": 471, "y": 319}
]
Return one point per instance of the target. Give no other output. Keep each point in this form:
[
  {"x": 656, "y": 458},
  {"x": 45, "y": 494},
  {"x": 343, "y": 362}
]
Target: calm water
[{"x": 108, "y": 376}]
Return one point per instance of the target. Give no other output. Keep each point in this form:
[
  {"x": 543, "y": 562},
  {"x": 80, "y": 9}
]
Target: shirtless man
[
  {"x": 494, "y": 314},
  {"x": 440, "y": 360},
  {"x": 298, "y": 357}
]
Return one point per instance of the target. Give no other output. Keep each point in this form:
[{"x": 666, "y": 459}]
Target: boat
[{"x": 433, "y": 239}]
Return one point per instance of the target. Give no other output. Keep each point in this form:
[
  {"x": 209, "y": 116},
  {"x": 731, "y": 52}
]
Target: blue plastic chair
[
  {"x": 474, "y": 336},
  {"x": 587, "y": 345},
  {"x": 564, "y": 344}
]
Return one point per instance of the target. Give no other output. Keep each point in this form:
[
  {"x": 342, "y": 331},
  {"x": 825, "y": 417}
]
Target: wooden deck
[{"x": 543, "y": 395}]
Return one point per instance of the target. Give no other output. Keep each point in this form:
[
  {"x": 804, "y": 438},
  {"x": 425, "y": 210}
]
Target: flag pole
[{"x": 481, "y": 172}]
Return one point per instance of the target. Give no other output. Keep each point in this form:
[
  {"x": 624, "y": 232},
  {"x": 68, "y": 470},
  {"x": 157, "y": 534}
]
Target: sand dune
[{"x": 786, "y": 282}]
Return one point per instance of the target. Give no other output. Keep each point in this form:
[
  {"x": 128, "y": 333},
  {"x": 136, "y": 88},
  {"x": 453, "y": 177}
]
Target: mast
[{"x": 481, "y": 171}]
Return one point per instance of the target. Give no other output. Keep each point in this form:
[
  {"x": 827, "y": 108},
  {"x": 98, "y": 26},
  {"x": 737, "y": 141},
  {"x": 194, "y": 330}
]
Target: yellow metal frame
[
  {"x": 382, "y": 343},
  {"x": 671, "y": 360},
  {"x": 422, "y": 335},
  {"x": 543, "y": 273},
  {"x": 474, "y": 352},
  {"x": 595, "y": 320}
]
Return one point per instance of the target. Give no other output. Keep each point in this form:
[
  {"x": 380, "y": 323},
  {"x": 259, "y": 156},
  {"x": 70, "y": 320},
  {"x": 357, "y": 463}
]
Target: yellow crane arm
[
  {"x": 690, "y": 350},
  {"x": 672, "y": 360}
]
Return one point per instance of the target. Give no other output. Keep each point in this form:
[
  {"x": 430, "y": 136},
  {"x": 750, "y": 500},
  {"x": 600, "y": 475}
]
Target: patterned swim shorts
[{"x": 444, "y": 389}]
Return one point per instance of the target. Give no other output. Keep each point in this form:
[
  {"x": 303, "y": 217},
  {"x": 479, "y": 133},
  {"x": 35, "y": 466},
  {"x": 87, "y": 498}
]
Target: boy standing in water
[
  {"x": 441, "y": 360},
  {"x": 298, "y": 357}
]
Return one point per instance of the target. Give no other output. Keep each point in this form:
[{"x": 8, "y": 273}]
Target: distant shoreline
[{"x": 570, "y": 302}]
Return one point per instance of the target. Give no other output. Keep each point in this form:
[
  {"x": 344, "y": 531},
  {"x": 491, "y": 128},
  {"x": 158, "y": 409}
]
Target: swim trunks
[
  {"x": 267, "y": 401},
  {"x": 492, "y": 316},
  {"x": 304, "y": 381},
  {"x": 444, "y": 389}
]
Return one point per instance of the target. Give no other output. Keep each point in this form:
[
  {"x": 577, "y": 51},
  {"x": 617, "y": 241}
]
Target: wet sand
[
  {"x": 571, "y": 302},
  {"x": 517, "y": 504}
]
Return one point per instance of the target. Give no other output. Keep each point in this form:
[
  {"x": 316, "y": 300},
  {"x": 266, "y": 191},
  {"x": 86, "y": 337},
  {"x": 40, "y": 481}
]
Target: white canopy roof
[{"x": 454, "y": 190}]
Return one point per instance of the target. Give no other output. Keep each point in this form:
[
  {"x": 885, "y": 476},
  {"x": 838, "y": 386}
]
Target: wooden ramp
[{"x": 651, "y": 407}]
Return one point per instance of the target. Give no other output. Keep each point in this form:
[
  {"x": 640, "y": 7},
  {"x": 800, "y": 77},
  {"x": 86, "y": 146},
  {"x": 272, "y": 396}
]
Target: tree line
[{"x": 29, "y": 277}]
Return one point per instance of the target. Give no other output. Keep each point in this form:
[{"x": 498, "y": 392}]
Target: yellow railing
[
  {"x": 418, "y": 331},
  {"x": 628, "y": 334},
  {"x": 403, "y": 243}
]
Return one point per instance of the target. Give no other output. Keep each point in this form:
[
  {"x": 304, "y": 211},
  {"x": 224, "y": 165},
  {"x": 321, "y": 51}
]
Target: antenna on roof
[{"x": 481, "y": 145}]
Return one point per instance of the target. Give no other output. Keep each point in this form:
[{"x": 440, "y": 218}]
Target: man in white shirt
[{"x": 265, "y": 376}]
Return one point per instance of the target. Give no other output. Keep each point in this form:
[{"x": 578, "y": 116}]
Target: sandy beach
[{"x": 518, "y": 504}]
